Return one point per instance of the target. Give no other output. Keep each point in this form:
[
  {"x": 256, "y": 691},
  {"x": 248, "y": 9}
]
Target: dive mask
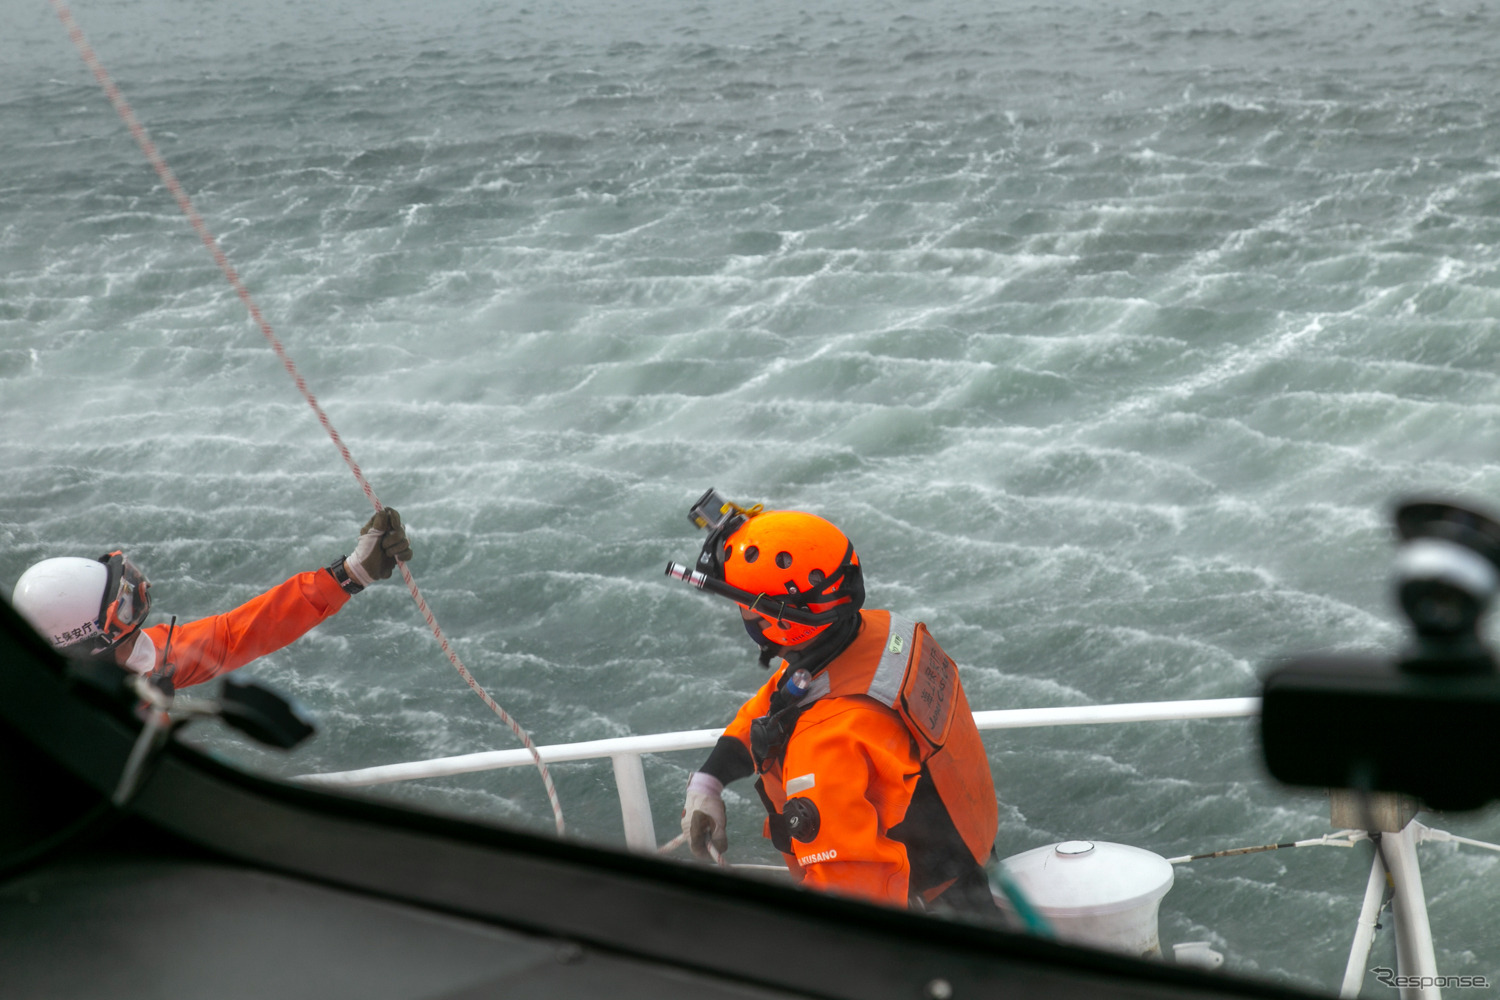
[{"x": 126, "y": 601}]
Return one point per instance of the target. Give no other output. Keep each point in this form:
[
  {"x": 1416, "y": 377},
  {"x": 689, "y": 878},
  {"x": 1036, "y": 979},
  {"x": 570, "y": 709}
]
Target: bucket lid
[{"x": 1080, "y": 877}]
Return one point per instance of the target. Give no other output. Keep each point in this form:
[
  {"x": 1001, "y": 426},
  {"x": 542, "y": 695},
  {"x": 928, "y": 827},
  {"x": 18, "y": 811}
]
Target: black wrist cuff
[
  {"x": 342, "y": 576},
  {"x": 729, "y": 761}
]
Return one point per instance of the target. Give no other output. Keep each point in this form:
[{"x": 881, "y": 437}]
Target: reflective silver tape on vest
[
  {"x": 820, "y": 687},
  {"x": 885, "y": 686}
]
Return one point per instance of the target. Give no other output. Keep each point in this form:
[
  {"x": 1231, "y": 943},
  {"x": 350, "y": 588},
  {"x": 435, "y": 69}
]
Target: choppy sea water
[{"x": 1108, "y": 332}]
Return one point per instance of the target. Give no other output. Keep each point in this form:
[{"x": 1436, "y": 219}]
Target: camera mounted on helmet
[
  {"x": 795, "y": 570},
  {"x": 720, "y": 518}
]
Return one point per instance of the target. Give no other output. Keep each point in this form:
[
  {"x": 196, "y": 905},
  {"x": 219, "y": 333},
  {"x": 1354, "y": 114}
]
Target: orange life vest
[{"x": 898, "y": 663}]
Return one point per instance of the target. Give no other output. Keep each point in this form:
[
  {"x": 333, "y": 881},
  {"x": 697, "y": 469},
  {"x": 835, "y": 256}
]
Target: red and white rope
[{"x": 91, "y": 60}]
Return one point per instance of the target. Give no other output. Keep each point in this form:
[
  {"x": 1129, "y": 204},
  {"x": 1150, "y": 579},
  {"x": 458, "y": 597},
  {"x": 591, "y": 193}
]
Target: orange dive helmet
[{"x": 795, "y": 570}]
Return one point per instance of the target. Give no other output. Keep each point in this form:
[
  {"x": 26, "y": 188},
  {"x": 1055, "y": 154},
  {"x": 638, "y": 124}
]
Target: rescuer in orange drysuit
[
  {"x": 872, "y": 772},
  {"x": 97, "y": 606}
]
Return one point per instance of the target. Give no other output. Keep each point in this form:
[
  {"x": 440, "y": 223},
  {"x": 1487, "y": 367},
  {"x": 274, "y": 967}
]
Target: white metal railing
[
  {"x": 625, "y": 752},
  {"x": 1414, "y": 937}
]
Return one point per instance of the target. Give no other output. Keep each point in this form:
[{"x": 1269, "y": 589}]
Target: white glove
[
  {"x": 703, "y": 815},
  {"x": 382, "y": 544}
]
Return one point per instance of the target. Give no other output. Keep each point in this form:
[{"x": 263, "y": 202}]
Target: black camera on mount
[{"x": 1427, "y": 722}]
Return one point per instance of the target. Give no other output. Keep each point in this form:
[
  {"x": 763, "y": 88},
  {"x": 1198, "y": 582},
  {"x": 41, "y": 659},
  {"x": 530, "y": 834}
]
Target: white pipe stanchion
[
  {"x": 635, "y": 802},
  {"x": 1364, "y": 932},
  {"x": 1414, "y": 951}
]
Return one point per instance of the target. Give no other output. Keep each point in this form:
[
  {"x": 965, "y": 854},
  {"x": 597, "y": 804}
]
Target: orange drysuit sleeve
[
  {"x": 856, "y": 765},
  {"x": 208, "y": 647}
]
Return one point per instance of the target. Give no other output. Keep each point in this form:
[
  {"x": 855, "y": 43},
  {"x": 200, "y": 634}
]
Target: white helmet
[{"x": 72, "y": 601}]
